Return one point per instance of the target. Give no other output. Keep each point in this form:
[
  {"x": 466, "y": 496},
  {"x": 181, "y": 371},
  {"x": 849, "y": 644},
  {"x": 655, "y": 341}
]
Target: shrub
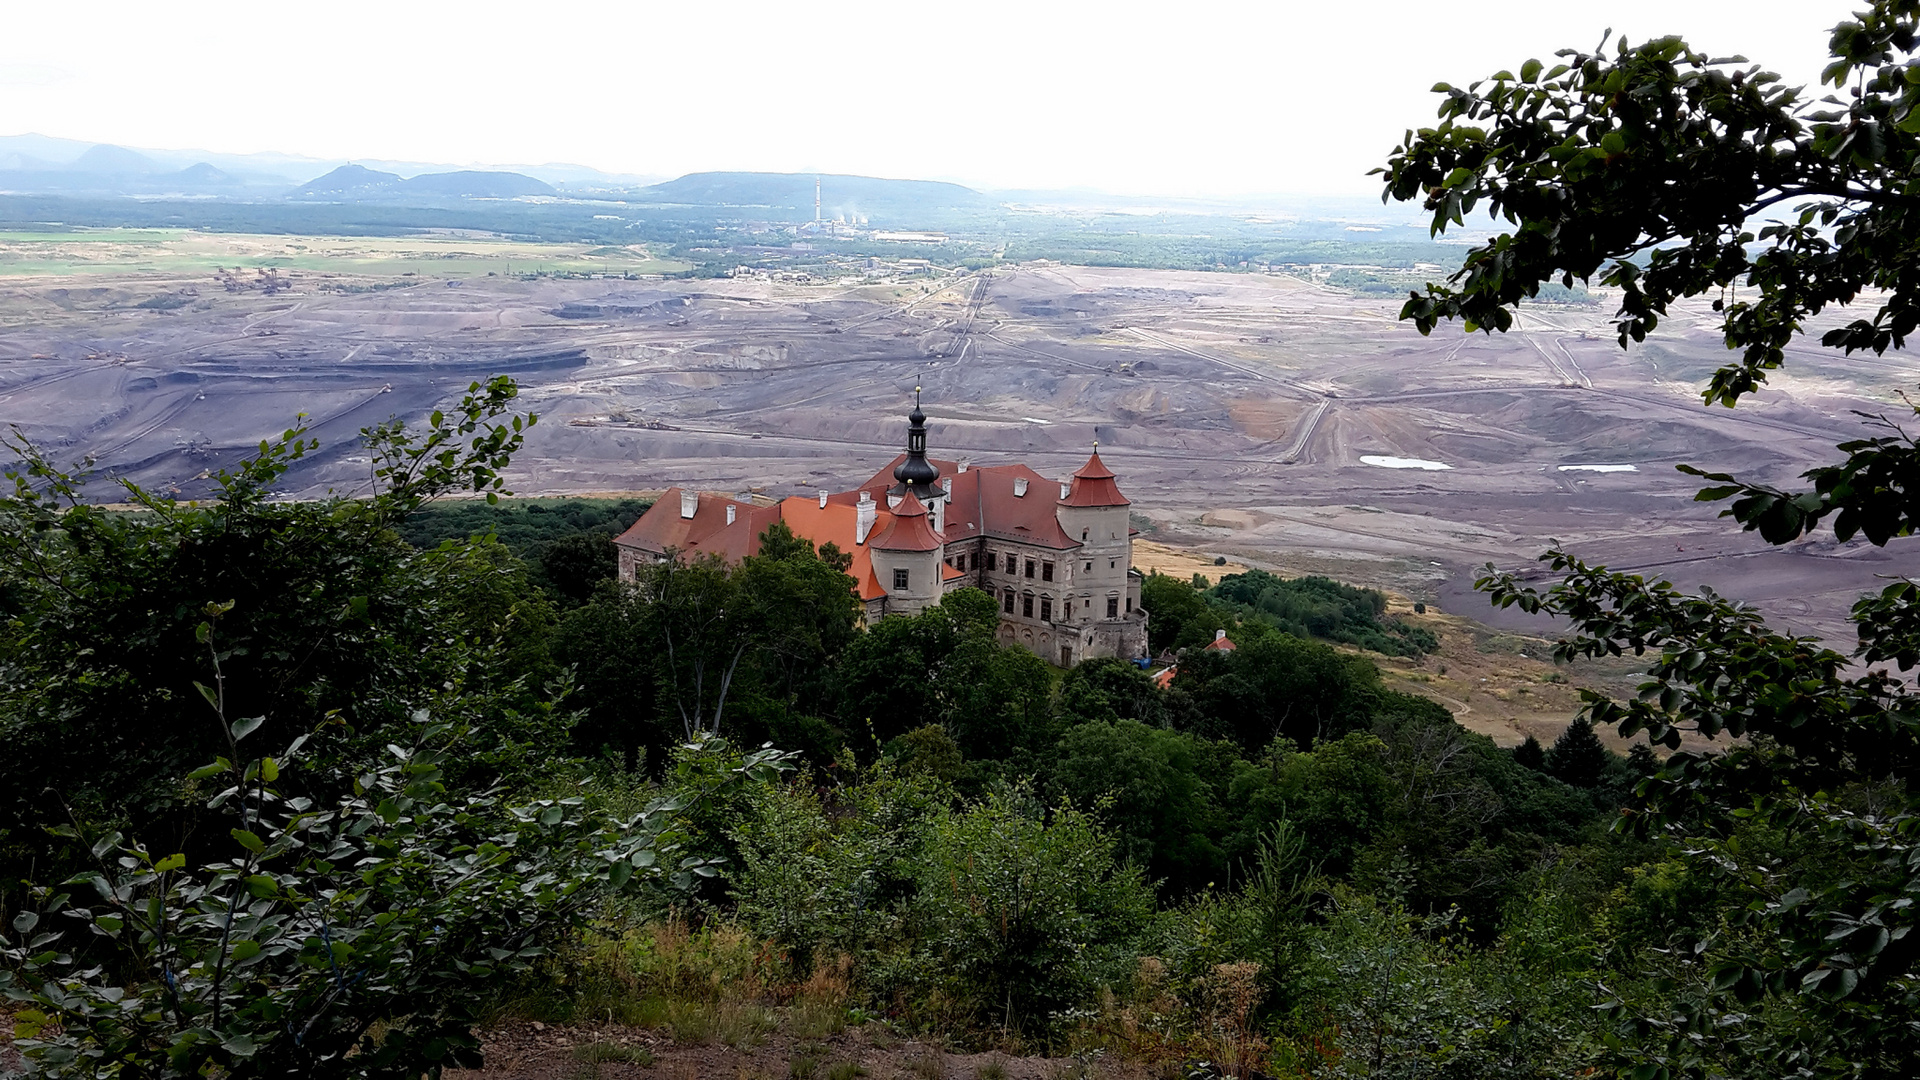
[
  {"x": 1025, "y": 912},
  {"x": 398, "y": 909}
]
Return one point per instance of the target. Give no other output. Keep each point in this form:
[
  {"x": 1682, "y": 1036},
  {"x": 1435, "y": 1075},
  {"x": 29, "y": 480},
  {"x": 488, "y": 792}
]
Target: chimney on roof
[
  {"x": 1066, "y": 488},
  {"x": 1019, "y": 487},
  {"x": 963, "y": 466},
  {"x": 730, "y": 511},
  {"x": 823, "y": 498},
  {"x": 1219, "y": 635},
  {"x": 689, "y": 502},
  {"x": 946, "y": 484},
  {"x": 863, "y": 520}
]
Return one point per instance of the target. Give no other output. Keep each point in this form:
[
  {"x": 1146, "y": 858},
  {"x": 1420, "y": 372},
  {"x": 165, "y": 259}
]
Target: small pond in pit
[{"x": 1402, "y": 462}]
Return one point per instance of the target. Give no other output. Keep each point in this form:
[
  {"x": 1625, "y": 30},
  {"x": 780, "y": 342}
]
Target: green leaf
[
  {"x": 246, "y": 726},
  {"x": 248, "y": 840},
  {"x": 1529, "y": 71}
]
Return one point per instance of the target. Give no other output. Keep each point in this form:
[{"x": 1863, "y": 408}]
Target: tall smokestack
[{"x": 816, "y": 200}]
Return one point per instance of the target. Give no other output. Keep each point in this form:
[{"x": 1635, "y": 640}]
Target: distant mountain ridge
[
  {"x": 42, "y": 153},
  {"x": 346, "y": 181},
  {"x": 356, "y": 183}
]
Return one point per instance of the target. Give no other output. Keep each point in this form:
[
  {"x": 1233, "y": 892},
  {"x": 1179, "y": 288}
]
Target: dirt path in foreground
[{"x": 534, "y": 1051}]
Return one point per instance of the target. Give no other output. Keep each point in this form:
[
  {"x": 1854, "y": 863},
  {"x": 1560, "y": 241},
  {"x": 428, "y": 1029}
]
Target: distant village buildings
[{"x": 1057, "y": 556}]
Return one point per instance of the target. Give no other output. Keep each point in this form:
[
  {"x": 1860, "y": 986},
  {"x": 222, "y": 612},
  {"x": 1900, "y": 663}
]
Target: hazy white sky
[{"x": 1190, "y": 98}]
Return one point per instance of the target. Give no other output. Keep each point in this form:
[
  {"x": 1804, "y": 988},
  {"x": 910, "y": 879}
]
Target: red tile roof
[
  {"x": 984, "y": 504},
  {"x": 707, "y": 532},
  {"x": 837, "y": 523},
  {"x": 910, "y": 530},
  {"x": 1093, "y": 485}
]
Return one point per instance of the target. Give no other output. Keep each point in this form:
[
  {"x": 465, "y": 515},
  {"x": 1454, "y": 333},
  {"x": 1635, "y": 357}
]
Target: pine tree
[
  {"x": 1530, "y": 755},
  {"x": 1577, "y": 756}
]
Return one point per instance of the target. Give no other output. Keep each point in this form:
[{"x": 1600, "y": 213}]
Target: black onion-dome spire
[{"x": 916, "y": 474}]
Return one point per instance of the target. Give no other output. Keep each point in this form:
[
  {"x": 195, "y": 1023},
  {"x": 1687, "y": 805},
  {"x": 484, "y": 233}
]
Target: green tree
[
  {"x": 943, "y": 666},
  {"x": 1530, "y": 755},
  {"x": 1577, "y": 756},
  {"x": 1181, "y": 616},
  {"x": 1156, "y": 790},
  {"x": 573, "y": 566},
  {"x": 1025, "y": 911},
  {"x": 1659, "y": 171},
  {"x": 606, "y": 645},
  {"x": 334, "y": 628}
]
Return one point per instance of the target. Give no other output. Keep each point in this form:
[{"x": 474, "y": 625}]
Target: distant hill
[
  {"x": 114, "y": 159},
  {"x": 347, "y": 181},
  {"x": 360, "y": 183},
  {"x": 199, "y": 177},
  {"x": 793, "y": 193},
  {"x": 470, "y": 184}
]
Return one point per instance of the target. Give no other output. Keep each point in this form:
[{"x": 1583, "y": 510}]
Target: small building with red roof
[
  {"x": 1220, "y": 643},
  {"x": 1057, "y": 556}
]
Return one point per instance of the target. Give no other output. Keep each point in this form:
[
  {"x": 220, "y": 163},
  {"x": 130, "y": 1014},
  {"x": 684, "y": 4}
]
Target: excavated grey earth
[{"x": 1236, "y": 408}]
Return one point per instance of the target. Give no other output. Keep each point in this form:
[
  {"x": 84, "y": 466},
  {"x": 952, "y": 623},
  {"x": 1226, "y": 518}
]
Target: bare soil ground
[{"x": 1236, "y": 408}]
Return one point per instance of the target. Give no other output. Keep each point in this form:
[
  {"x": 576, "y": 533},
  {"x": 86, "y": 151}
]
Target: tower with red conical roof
[
  {"x": 907, "y": 558},
  {"x": 1094, "y": 512}
]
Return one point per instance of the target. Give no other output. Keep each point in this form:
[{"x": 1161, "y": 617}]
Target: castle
[{"x": 1060, "y": 568}]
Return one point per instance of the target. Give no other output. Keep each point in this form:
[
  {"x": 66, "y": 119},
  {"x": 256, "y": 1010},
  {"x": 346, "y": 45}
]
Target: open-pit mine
[{"x": 1262, "y": 417}]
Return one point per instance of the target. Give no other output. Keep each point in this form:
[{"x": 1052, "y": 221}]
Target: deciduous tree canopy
[{"x": 1665, "y": 174}]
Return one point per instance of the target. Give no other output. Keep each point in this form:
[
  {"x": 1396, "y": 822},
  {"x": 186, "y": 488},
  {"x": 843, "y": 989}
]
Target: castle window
[
  {"x": 1083, "y": 534},
  {"x": 1089, "y": 568},
  {"x": 1046, "y": 609},
  {"x": 1129, "y": 603},
  {"x": 1066, "y": 613},
  {"x": 900, "y": 579},
  {"x": 1006, "y": 602},
  {"x": 1026, "y": 605},
  {"x": 1113, "y": 607},
  {"x": 1113, "y": 564},
  {"x": 1029, "y": 567},
  {"x": 1046, "y": 571},
  {"x": 993, "y": 561}
]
